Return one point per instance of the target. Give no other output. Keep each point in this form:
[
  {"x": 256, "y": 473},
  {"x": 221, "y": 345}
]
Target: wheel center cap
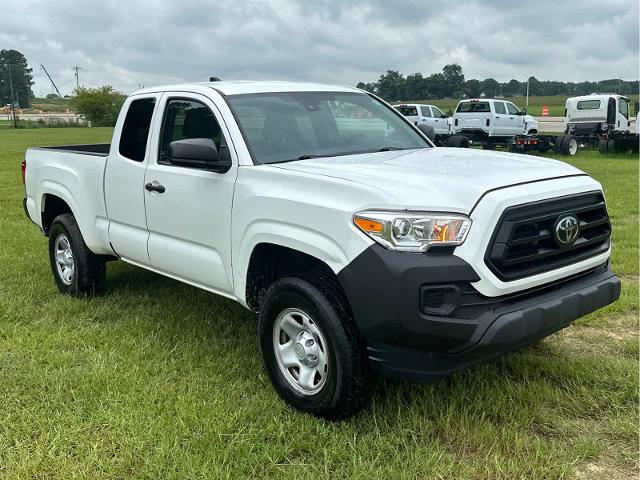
[{"x": 298, "y": 348}]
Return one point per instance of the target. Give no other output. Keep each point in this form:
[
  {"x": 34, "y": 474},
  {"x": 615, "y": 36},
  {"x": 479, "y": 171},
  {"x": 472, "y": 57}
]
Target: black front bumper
[{"x": 409, "y": 339}]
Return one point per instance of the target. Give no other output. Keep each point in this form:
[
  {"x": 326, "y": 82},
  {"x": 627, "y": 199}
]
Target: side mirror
[
  {"x": 197, "y": 153},
  {"x": 524, "y": 111},
  {"x": 428, "y": 131},
  {"x": 444, "y": 115}
]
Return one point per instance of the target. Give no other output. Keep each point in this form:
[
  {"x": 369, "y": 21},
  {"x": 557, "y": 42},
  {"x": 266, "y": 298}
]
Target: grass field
[
  {"x": 555, "y": 104},
  {"x": 161, "y": 380}
]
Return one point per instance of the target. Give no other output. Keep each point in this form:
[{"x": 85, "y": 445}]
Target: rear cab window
[
  {"x": 407, "y": 110},
  {"x": 588, "y": 105},
  {"x": 473, "y": 107},
  {"x": 426, "y": 112},
  {"x": 135, "y": 130}
]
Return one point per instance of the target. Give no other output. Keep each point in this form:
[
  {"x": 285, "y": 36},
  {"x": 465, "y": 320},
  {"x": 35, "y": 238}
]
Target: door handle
[{"x": 154, "y": 187}]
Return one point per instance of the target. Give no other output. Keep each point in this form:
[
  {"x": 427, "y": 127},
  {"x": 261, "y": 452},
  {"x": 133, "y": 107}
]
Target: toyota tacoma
[{"x": 364, "y": 249}]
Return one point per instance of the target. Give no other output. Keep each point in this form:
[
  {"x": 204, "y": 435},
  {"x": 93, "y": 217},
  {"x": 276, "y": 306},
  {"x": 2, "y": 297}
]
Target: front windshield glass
[{"x": 281, "y": 127}]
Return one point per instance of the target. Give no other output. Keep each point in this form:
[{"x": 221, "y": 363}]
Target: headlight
[{"x": 413, "y": 231}]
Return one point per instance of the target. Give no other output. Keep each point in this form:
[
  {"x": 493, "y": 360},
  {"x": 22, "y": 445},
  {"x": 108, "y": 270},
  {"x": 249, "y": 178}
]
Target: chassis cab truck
[
  {"x": 363, "y": 248},
  {"x": 602, "y": 121}
]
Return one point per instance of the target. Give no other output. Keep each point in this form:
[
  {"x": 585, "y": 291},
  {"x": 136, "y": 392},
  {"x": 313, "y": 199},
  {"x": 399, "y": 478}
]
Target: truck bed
[{"x": 97, "y": 149}]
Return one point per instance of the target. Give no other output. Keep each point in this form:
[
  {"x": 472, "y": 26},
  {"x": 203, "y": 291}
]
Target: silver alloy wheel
[
  {"x": 573, "y": 146},
  {"x": 64, "y": 259},
  {"x": 301, "y": 351}
]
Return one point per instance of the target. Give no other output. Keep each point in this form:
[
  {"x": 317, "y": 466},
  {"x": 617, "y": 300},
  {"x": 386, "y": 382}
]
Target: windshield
[
  {"x": 473, "y": 107},
  {"x": 406, "y": 110},
  {"x": 281, "y": 127}
]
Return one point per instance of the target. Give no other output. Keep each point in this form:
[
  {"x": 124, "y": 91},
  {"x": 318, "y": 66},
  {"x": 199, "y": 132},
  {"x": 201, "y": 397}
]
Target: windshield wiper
[{"x": 388, "y": 149}]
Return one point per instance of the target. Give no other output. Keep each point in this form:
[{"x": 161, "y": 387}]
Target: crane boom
[{"x": 51, "y": 80}]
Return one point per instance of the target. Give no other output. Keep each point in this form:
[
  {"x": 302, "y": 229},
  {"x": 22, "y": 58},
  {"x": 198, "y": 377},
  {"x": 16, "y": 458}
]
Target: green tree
[
  {"x": 391, "y": 86},
  {"x": 15, "y": 70},
  {"x": 473, "y": 88},
  {"x": 453, "y": 79},
  {"x": 98, "y": 105}
]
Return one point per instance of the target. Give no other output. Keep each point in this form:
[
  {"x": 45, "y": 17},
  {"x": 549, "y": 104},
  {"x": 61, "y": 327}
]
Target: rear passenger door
[
  {"x": 190, "y": 221},
  {"x": 124, "y": 178}
]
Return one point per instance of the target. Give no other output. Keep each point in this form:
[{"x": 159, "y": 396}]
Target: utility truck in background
[
  {"x": 600, "y": 121},
  {"x": 363, "y": 248}
]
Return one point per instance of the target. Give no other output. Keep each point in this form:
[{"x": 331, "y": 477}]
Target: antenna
[{"x": 51, "y": 80}]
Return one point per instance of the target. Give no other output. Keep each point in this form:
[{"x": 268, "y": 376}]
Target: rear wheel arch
[{"x": 52, "y": 206}]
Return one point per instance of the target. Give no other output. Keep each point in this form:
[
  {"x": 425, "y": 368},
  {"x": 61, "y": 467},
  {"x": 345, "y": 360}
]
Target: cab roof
[{"x": 238, "y": 87}]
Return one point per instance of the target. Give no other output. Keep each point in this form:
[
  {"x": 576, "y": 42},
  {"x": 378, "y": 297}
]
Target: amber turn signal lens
[{"x": 367, "y": 225}]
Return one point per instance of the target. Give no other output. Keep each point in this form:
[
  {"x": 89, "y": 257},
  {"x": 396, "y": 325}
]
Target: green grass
[
  {"x": 555, "y": 103},
  {"x": 160, "y": 380}
]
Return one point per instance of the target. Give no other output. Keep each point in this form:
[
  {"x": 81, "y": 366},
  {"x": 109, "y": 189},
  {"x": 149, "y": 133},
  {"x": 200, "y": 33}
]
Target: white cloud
[{"x": 337, "y": 41}]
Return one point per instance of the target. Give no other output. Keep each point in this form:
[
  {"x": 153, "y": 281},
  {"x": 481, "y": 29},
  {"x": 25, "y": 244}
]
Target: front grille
[{"x": 524, "y": 244}]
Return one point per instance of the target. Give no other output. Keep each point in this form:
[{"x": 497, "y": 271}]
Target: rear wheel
[
  {"x": 603, "y": 146},
  {"x": 76, "y": 269},
  {"x": 458, "y": 141},
  {"x": 558, "y": 143},
  {"x": 569, "y": 145},
  {"x": 312, "y": 350}
]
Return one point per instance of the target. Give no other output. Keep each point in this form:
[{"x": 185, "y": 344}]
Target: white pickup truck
[
  {"x": 423, "y": 114},
  {"x": 490, "y": 122},
  {"x": 363, "y": 248}
]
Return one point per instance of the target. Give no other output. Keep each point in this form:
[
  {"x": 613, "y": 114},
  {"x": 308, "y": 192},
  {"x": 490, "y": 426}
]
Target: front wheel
[
  {"x": 312, "y": 350},
  {"x": 76, "y": 269}
]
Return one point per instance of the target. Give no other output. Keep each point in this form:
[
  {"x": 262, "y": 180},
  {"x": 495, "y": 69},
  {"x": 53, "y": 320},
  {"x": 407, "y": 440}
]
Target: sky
[{"x": 154, "y": 42}]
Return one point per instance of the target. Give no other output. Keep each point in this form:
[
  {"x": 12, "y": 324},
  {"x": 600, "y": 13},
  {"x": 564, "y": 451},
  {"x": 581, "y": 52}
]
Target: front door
[
  {"x": 516, "y": 120},
  {"x": 189, "y": 221},
  {"x": 501, "y": 120},
  {"x": 440, "y": 121}
]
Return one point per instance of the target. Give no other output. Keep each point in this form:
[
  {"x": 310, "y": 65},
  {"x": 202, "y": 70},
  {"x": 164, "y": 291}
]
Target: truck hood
[{"x": 443, "y": 179}]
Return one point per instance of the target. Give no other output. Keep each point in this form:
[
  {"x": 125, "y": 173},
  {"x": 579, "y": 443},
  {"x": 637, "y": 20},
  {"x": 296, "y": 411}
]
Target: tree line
[{"x": 450, "y": 83}]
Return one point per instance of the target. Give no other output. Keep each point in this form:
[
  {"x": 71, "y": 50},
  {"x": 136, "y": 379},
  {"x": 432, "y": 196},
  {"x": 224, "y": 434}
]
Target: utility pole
[
  {"x": 13, "y": 100},
  {"x": 76, "y": 68},
  {"x": 527, "y": 106}
]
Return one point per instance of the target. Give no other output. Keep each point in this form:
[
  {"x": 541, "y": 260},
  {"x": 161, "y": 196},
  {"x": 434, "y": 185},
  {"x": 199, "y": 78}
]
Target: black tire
[
  {"x": 458, "y": 141},
  {"x": 569, "y": 145},
  {"x": 349, "y": 380},
  {"x": 89, "y": 270},
  {"x": 543, "y": 146},
  {"x": 558, "y": 143},
  {"x": 603, "y": 146}
]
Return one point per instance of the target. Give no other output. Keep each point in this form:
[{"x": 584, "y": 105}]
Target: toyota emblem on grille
[{"x": 567, "y": 230}]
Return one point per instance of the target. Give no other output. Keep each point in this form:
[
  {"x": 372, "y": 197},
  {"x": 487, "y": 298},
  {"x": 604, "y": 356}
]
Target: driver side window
[
  {"x": 513, "y": 110},
  {"x": 185, "y": 118}
]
